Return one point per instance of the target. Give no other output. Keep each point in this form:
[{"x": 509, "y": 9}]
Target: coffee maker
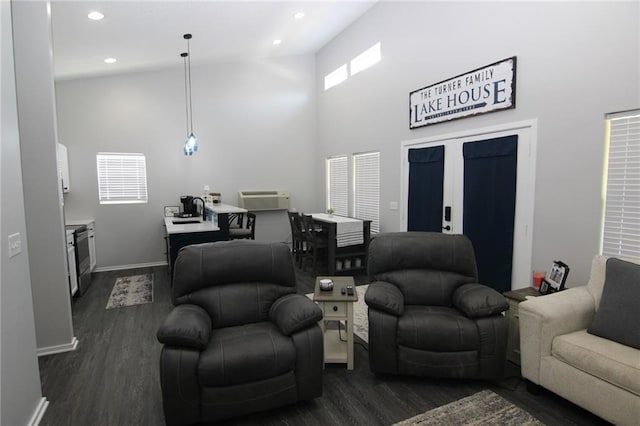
[{"x": 188, "y": 209}]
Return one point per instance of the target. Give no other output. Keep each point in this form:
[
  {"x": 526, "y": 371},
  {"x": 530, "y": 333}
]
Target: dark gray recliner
[
  {"x": 239, "y": 339},
  {"x": 428, "y": 316}
]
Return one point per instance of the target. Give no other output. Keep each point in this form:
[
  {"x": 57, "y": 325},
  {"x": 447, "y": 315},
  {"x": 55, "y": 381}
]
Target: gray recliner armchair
[
  {"x": 428, "y": 316},
  {"x": 239, "y": 339}
]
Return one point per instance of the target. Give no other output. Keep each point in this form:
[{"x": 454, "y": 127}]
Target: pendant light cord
[
  {"x": 186, "y": 93},
  {"x": 190, "y": 104}
]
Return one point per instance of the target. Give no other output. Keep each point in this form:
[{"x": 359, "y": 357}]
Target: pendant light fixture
[{"x": 191, "y": 144}]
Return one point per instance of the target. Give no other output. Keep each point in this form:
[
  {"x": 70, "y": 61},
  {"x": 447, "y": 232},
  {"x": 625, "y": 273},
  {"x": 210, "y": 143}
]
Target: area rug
[
  {"x": 482, "y": 408},
  {"x": 132, "y": 290},
  {"x": 360, "y": 314}
]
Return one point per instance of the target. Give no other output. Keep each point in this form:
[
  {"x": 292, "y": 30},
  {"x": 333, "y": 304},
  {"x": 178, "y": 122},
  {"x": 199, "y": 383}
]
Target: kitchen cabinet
[
  {"x": 179, "y": 235},
  {"x": 63, "y": 168}
]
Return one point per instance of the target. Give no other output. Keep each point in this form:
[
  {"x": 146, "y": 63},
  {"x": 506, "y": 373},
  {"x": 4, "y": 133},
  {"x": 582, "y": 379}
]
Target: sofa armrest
[
  {"x": 186, "y": 326},
  {"x": 477, "y": 300},
  {"x": 385, "y": 297},
  {"x": 543, "y": 318},
  {"x": 294, "y": 312}
]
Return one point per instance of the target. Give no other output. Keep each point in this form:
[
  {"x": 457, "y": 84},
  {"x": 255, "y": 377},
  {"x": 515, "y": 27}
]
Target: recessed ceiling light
[
  {"x": 298, "y": 15},
  {"x": 277, "y": 42},
  {"x": 110, "y": 60},
  {"x": 95, "y": 16}
]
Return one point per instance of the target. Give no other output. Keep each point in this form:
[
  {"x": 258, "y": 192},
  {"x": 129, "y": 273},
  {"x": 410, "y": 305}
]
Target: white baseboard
[
  {"x": 50, "y": 350},
  {"x": 38, "y": 413},
  {"x": 137, "y": 265}
]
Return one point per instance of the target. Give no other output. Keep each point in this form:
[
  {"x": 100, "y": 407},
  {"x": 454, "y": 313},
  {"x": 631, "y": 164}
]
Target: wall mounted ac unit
[{"x": 263, "y": 200}]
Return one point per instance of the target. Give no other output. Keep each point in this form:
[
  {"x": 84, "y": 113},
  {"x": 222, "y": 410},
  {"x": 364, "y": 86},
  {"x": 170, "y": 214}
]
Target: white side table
[{"x": 338, "y": 345}]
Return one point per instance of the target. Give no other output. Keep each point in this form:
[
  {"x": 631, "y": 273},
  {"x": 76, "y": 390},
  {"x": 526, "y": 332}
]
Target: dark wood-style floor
[{"x": 112, "y": 377}]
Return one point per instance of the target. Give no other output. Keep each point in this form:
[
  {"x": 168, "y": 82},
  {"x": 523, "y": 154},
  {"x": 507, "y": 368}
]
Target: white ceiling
[{"x": 145, "y": 34}]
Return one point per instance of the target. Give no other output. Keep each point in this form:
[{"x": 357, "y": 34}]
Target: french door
[{"x": 478, "y": 183}]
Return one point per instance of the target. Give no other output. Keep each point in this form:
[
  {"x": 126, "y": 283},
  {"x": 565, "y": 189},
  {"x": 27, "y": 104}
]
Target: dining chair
[
  {"x": 296, "y": 236},
  {"x": 235, "y": 220},
  {"x": 248, "y": 232},
  {"x": 313, "y": 242}
]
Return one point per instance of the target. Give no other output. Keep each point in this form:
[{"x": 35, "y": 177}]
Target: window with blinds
[
  {"x": 621, "y": 230},
  {"x": 122, "y": 178},
  {"x": 337, "y": 185},
  {"x": 366, "y": 188}
]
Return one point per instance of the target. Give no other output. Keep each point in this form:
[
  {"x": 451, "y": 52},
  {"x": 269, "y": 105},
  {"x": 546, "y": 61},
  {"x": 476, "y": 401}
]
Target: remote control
[{"x": 349, "y": 290}]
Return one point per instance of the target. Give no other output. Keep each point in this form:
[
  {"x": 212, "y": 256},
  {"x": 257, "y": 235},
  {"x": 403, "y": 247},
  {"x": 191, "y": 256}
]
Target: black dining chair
[
  {"x": 313, "y": 241},
  {"x": 296, "y": 236},
  {"x": 248, "y": 232},
  {"x": 235, "y": 220}
]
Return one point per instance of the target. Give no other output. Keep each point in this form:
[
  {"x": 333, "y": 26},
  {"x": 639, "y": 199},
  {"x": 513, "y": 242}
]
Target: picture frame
[
  {"x": 170, "y": 211},
  {"x": 544, "y": 287},
  {"x": 555, "y": 279}
]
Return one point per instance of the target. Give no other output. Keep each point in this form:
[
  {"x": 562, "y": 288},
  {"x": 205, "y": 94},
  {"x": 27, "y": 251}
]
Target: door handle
[
  {"x": 447, "y": 214},
  {"x": 447, "y": 228}
]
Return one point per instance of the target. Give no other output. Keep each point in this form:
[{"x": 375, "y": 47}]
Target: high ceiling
[{"x": 145, "y": 34}]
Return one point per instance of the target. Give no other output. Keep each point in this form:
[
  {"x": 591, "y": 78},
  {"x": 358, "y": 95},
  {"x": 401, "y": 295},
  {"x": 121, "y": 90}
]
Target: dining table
[{"x": 347, "y": 242}]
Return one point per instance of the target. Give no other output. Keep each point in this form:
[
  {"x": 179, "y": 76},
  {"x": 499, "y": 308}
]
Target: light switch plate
[
  {"x": 15, "y": 244},
  {"x": 393, "y": 205}
]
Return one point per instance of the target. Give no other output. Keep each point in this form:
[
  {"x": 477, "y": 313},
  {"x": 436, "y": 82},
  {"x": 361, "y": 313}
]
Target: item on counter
[
  {"x": 187, "y": 205},
  {"x": 215, "y": 197},
  {"x": 537, "y": 278},
  {"x": 326, "y": 284}
]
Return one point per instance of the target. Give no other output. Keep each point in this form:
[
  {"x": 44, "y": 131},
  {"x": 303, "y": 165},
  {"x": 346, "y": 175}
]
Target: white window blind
[
  {"x": 122, "y": 178},
  {"x": 366, "y": 188},
  {"x": 621, "y": 231},
  {"x": 337, "y": 185}
]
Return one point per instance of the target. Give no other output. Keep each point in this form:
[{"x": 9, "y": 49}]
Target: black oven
[{"x": 83, "y": 259}]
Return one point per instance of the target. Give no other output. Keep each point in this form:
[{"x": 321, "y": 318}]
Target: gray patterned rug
[
  {"x": 361, "y": 315},
  {"x": 132, "y": 290},
  {"x": 482, "y": 408}
]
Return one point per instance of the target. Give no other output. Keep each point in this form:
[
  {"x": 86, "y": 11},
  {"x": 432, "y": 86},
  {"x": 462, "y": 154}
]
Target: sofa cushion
[
  {"x": 245, "y": 353},
  {"x": 618, "y": 317},
  {"x": 437, "y": 328},
  {"x": 602, "y": 358},
  {"x": 596, "y": 277}
]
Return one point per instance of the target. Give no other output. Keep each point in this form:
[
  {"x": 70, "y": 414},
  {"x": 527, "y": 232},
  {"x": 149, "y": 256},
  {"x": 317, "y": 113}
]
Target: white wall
[
  {"x": 255, "y": 123},
  {"x": 42, "y": 191},
  {"x": 20, "y": 393},
  {"x": 576, "y": 62}
]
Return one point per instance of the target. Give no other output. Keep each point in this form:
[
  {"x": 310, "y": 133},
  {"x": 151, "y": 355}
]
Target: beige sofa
[{"x": 557, "y": 353}]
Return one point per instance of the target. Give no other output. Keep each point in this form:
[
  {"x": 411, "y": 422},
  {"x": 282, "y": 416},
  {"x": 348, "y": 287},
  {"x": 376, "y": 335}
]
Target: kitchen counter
[
  {"x": 179, "y": 235},
  {"x": 79, "y": 221},
  {"x": 220, "y": 208},
  {"x": 184, "y": 228}
]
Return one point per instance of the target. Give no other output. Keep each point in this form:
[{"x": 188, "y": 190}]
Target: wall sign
[{"x": 487, "y": 89}]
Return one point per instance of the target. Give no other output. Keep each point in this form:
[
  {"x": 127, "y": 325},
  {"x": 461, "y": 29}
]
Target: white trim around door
[{"x": 527, "y": 132}]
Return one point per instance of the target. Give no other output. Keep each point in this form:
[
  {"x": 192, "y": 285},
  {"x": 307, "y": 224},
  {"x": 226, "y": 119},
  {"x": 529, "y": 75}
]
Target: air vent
[{"x": 263, "y": 200}]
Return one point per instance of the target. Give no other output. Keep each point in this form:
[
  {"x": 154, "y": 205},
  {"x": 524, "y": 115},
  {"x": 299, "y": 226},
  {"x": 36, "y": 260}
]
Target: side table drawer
[{"x": 336, "y": 310}]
